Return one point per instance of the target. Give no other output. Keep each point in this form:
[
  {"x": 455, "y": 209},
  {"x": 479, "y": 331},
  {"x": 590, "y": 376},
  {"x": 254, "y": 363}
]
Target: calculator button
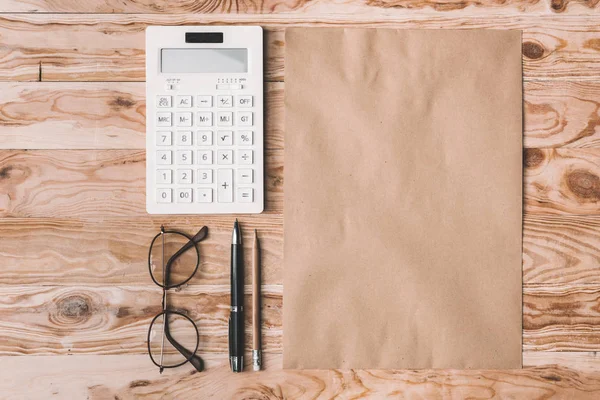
[
  {"x": 225, "y": 157},
  {"x": 205, "y": 157},
  {"x": 245, "y": 175},
  {"x": 163, "y": 101},
  {"x": 225, "y": 119},
  {"x": 184, "y": 157},
  {"x": 204, "y": 195},
  {"x": 164, "y": 138},
  {"x": 184, "y": 195},
  {"x": 184, "y": 138},
  {"x": 164, "y": 195},
  {"x": 245, "y": 195},
  {"x": 224, "y": 185},
  {"x": 244, "y": 138},
  {"x": 184, "y": 119},
  {"x": 184, "y": 101},
  {"x": 244, "y": 101},
  {"x": 204, "y": 138},
  {"x": 222, "y": 86},
  {"x": 163, "y": 157},
  {"x": 164, "y": 176},
  {"x": 184, "y": 176},
  {"x": 164, "y": 119},
  {"x": 204, "y": 119},
  {"x": 244, "y": 118},
  {"x": 224, "y": 101},
  {"x": 204, "y": 101},
  {"x": 205, "y": 176},
  {"x": 245, "y": 157},
  {"x": 225, "y": 138}
]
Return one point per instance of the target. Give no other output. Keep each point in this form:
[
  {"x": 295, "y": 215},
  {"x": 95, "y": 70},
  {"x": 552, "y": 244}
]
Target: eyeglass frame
[{"x": 191, "y": 357}]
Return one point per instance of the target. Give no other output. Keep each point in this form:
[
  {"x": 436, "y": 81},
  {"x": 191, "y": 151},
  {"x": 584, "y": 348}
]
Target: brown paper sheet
[{"x": 403, "y": 199}]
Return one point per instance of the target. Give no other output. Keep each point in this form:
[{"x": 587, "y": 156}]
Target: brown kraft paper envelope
[{"x": 403, "y": 199}]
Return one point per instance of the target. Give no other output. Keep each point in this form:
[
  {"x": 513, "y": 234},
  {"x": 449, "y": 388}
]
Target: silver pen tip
[
  {"x": 236, "y": 237},
  {"x": 256, "y": 360}
]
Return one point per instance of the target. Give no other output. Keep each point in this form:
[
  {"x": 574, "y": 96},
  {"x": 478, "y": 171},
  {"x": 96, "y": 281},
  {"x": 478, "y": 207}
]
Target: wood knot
[
  {"x": 139, "y": 383},
  {"x": 557, "y": 5},
  {"x": 5, "y": 172},
  {"x": 72, "y": 309},
  {"x": 584, "y": 184},
  {"x": 533, "y": 158},
  {"x": 119, "y": 103},
  {"x": 533, "y": 50}
]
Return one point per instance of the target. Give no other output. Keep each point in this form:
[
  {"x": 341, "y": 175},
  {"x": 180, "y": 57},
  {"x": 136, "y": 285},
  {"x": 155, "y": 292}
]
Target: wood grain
[
  {"x": 561, "y": 249},
  {"x": 561, "y": 318},
  {"x": 134, "y": 377},
  {"x": 561, "y": 113},
  {"x": 45, "y": 320},
  {"x": 371, "y": 7},
  {"x": 91, "y": 115},
  {"x": 111, "y": 251},
  {"x": 77, "y": 183},
  {"x": 562, "y": 181},
  {"x": 94, "y": 115},
  {"x": 81, "y": 47},
  {"x": 109, "y": 115}
]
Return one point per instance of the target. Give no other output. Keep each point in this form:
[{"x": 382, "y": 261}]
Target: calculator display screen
[{"x": 204, "y": 60}]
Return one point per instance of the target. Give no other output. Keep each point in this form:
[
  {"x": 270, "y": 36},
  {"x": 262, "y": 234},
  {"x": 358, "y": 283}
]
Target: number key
[
  {"x": 164, "y": 176},
  {"x": 205, "y": 176},
  {"x": 163, "y": 157},
  {"x": 184, "y": 176},
  {"x": 184, "y": 195},
  {"x": 205, "y": 157},
  {"x": 184, "y": 157},
  {"x": 164, "y": 195},
  {"x": 163, "y": 138},
  {"x": 204, "y": 138},
  {"x": 184, "y": 138}
]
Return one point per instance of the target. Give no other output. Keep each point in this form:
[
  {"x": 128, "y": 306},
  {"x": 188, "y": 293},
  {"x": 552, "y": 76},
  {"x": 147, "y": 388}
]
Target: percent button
[{"x": 244, "y": 138}]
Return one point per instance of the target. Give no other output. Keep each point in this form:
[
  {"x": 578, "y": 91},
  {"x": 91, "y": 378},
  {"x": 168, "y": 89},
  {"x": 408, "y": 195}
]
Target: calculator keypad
[{"x": 205, "y": 149}]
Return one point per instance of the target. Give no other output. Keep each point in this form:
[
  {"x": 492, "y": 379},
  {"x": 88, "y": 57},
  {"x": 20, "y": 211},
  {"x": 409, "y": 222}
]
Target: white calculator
[{"x": 204, "y": 120}]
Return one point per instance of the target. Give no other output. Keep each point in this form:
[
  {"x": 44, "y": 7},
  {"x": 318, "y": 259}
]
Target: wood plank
[
  {"x": 560, "y": 249},
  {"x": 558, "y": 113},
  {"x": 133, "y": 377},
  {"x": 109, "y": 115},
  {"x": 577, "y": 360},
  {"x": 561, "y": 318},
  {"x": 93, "y": 115},
  {"x": 79, "y": 183},
  {"x": 45, "y": 320},
  {"x": 316, "y": 7},
  {"x": 101, "y": 183},
  {"x": 110, "y": 251},
  {"x": 104, "y": 47},
  {"x": 562, "y": 181}
]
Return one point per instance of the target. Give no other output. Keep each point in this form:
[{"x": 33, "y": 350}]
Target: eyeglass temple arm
[
  {"x": 198, "y": 237},
  {"x": 195, "y": 360}
]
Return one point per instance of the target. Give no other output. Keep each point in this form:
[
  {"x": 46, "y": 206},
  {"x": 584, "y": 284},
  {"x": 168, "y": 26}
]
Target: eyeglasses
[{"x": 173, "y": 259}]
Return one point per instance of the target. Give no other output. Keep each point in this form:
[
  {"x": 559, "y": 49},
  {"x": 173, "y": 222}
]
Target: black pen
[{"x": 236, "y": 316}]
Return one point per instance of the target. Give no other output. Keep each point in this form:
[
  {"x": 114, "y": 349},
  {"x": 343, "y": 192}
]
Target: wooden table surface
[{"x": 75, "y": 295}]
